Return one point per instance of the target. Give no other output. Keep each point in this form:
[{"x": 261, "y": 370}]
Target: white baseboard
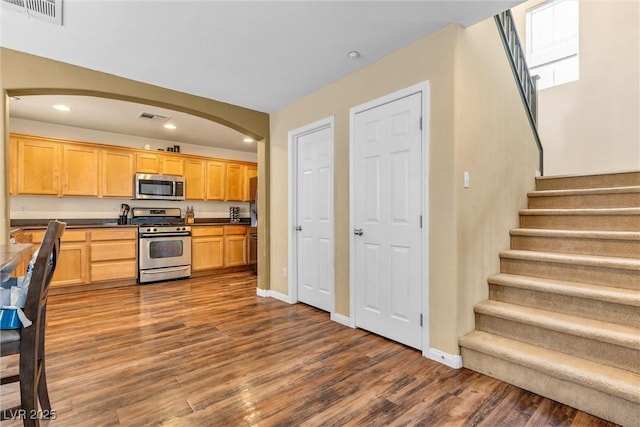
[
  {"x": 269, "y": 293},
  {"x": 342, "y": 319},
  {"x": 451, "y": 360},
  {"x": 262, "y": 292}
]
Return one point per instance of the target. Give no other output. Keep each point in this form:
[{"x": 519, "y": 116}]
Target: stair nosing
[
  {"x": 630, "y": 189},
  {"x": 578, "y": 234},
  {"x": 597, "y": 330},
  {"x": 580, "y": 211},
  {"x": 574, "y": 289},
  {"x": 562, "y": 365},
  {"x": 563, "y": 258}
]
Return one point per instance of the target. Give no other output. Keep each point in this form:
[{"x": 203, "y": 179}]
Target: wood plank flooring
[{"x": 210, "y": 352}]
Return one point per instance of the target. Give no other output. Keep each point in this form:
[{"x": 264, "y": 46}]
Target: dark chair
[{"x": 29, "y": 342}]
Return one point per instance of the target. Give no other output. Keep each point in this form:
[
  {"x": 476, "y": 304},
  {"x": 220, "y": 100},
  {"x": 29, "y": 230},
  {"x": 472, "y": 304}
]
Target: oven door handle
[
  {"x": 165, "y": 270},
  {"x": 159, "y": 236}
]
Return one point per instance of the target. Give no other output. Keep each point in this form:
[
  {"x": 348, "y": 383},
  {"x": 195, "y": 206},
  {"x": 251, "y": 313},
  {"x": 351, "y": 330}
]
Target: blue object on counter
[{"x": 9, "y": 318}]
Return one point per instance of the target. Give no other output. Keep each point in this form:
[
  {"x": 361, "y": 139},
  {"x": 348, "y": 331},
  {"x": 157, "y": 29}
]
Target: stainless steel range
[{"x": 164, "y": 244}]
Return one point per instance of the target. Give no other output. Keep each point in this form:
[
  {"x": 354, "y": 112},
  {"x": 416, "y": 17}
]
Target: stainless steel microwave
[{"x": 158, "y": 187}]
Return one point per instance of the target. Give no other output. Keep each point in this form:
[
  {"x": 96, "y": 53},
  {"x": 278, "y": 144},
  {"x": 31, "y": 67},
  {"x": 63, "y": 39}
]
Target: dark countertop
[{"x": 22, "y": 224}]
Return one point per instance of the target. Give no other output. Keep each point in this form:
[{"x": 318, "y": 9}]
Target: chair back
[{"x": 44, "y": 267}]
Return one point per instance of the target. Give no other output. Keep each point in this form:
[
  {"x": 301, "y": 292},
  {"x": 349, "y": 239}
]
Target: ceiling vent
[
  {"x": 46, "y": 10},
  {"x": 153, "y": 117}
]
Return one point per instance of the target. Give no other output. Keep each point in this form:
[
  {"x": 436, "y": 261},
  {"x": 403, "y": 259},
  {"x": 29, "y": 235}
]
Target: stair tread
[
  {"x": 585, "y": 191},
  {"x": 612, "y": 333},
  {"x": 577, "y": 234},
  {"x": 584, "y": 260},
  {"x": 581, "y": 211},
  {"x": 580, "y": 290},
  {"x": 615, "y": 381}
]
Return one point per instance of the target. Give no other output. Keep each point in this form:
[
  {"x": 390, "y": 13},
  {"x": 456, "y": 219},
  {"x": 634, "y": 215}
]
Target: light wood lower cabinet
[
  {"x": 94, "y": 255},
  {"x": 207, "y": 247},
  {"x": 113, "y": 254},
  {"x": 235, "y": 245}
]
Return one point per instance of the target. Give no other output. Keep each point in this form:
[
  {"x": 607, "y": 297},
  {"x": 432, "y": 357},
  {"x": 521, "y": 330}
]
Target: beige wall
[
  {"x": 592, "y": 125},
  {"x": 477, "y": 123},
  {"x": 23, "y": 74}
]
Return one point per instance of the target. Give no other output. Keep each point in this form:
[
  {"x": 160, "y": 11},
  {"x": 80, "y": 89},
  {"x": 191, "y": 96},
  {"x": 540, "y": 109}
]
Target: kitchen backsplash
[{"x": 44, "y": 207}]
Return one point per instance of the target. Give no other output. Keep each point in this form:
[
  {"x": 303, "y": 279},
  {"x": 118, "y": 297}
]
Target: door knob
[
  {"x": 358, "y": 231},
  {"x": 299, "y": 228}
]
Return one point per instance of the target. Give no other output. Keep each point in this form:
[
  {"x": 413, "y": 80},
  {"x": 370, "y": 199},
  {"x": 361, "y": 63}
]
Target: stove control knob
[
  {"x": 148, "y": 229},
  {"x": 155, "y": 229}
]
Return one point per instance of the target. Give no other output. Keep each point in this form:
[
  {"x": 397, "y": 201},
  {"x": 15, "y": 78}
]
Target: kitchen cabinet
[
  {"x": 207, "y": 247},
  {"x": 172, "y": 165},
  {"x": 235, "y": 182},
  {"x": 195, "y": 175},
  {"x": 250, "y": 171},
  {"x": 252, "y": 245},
  {"x": 148, "y": 163},
  {"x": 73, "y": 262},
  {"x": 113, "y": 254},
  {"x": 38, "y": 166},
  {"x": 79, "y": 170},
  {"x": 116, "y": 173},
  {"x": 13, "y": 165},
  {"x": 216, "y": 179},
  {"x": 235, "y": 245}
]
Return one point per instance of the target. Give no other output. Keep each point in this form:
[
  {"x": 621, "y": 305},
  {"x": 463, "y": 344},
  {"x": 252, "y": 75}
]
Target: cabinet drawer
[
  {"x": 68, "y": 236},
  {"x": 107, "y": 251},
  {"x": 114, "y": 270},
  {"x": 207, "y": 231},
  {"x": 235, "y": 229},
  {"x": 114, "y": 234}
]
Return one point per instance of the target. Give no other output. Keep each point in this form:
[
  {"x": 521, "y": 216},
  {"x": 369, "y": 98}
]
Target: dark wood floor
[{"x": 205, "y": 352}]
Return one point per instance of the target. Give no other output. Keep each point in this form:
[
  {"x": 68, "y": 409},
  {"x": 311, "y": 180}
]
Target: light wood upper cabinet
[
  {"x": 216, "y": 179},
  {"x": 195, "y": 171},
  {"x": 235, "y": 181},
  {"x": 13, "y": 165},
  {"x": 116, "y": 173},
  {"x": 172, "y": 165},
  {"x": 148, "y": 163},
  {"x": 79, "y": 170},
  {"x": 250, "y": 171},
  {"x": 38, "y": 167}
]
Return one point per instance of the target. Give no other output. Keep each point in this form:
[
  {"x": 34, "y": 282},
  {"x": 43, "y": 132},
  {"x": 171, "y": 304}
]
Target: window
[{"x": 552, "y": 42}]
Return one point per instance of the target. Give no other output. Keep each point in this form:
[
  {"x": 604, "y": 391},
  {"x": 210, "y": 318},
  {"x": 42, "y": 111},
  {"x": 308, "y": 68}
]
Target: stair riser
[
  {"x": 627, "y": 279},
  {"x": 582, "y": 222},
  {"x": 591, "y": 309},
  {"x": 568, "y": 245},
  {"x": 595, "y": 181},
  {"x": 600, "y": 404},
  {"x": 592, "y": 201},
  {"x": 597, "y": 351}
]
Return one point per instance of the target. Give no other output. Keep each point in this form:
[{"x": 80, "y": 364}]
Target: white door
[
  {"x": 387, "y": 218},
  {"x": 314, "y": 223}
]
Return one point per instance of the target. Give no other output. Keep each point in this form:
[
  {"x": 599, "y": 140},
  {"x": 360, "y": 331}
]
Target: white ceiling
[{"x": 261, "y": 55}]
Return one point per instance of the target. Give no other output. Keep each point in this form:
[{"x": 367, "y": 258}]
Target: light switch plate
[{"x": 466, "y": 179}]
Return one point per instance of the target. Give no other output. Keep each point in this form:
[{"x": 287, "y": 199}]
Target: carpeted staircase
[{"x": 563, "y": 316}]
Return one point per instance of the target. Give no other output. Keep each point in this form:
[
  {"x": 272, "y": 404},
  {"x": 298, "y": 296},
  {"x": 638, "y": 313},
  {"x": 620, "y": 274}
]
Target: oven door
[{"x": 164, "y": 250}]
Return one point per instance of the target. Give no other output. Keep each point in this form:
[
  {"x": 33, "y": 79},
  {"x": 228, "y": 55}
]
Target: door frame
[
  {"x": 293, "y": 135},
  {"x": 423, "y": 89}
]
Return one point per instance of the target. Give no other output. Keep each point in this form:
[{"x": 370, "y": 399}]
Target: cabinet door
[
  {"x": 216, "y": 178},
  {"x": 207, "y": 253},
  {"x": 172, "y": 165},
  {"x": 235, "y": 182},
  {"x": 38, "y": 167},
  {"x": 250, "y": 171},
  {"x": 195, "y": 179},
  {"x": 79, "y": 170},
  {"x": 148, "y": 163},
  {"x": 235, "y": 250},
  {"x": 72, "y": 265},
  {"x": 116, "y": 173},
  {"x": 13, "y": 165}
]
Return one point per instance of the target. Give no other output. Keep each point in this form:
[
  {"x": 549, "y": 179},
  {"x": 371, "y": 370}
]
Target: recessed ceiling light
[
  {"x": 353, "y": 54},
  {"x": 61, "y": 107},
  {"x": 169, "y": 126},
  {"x": 248, "y": 139}
]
